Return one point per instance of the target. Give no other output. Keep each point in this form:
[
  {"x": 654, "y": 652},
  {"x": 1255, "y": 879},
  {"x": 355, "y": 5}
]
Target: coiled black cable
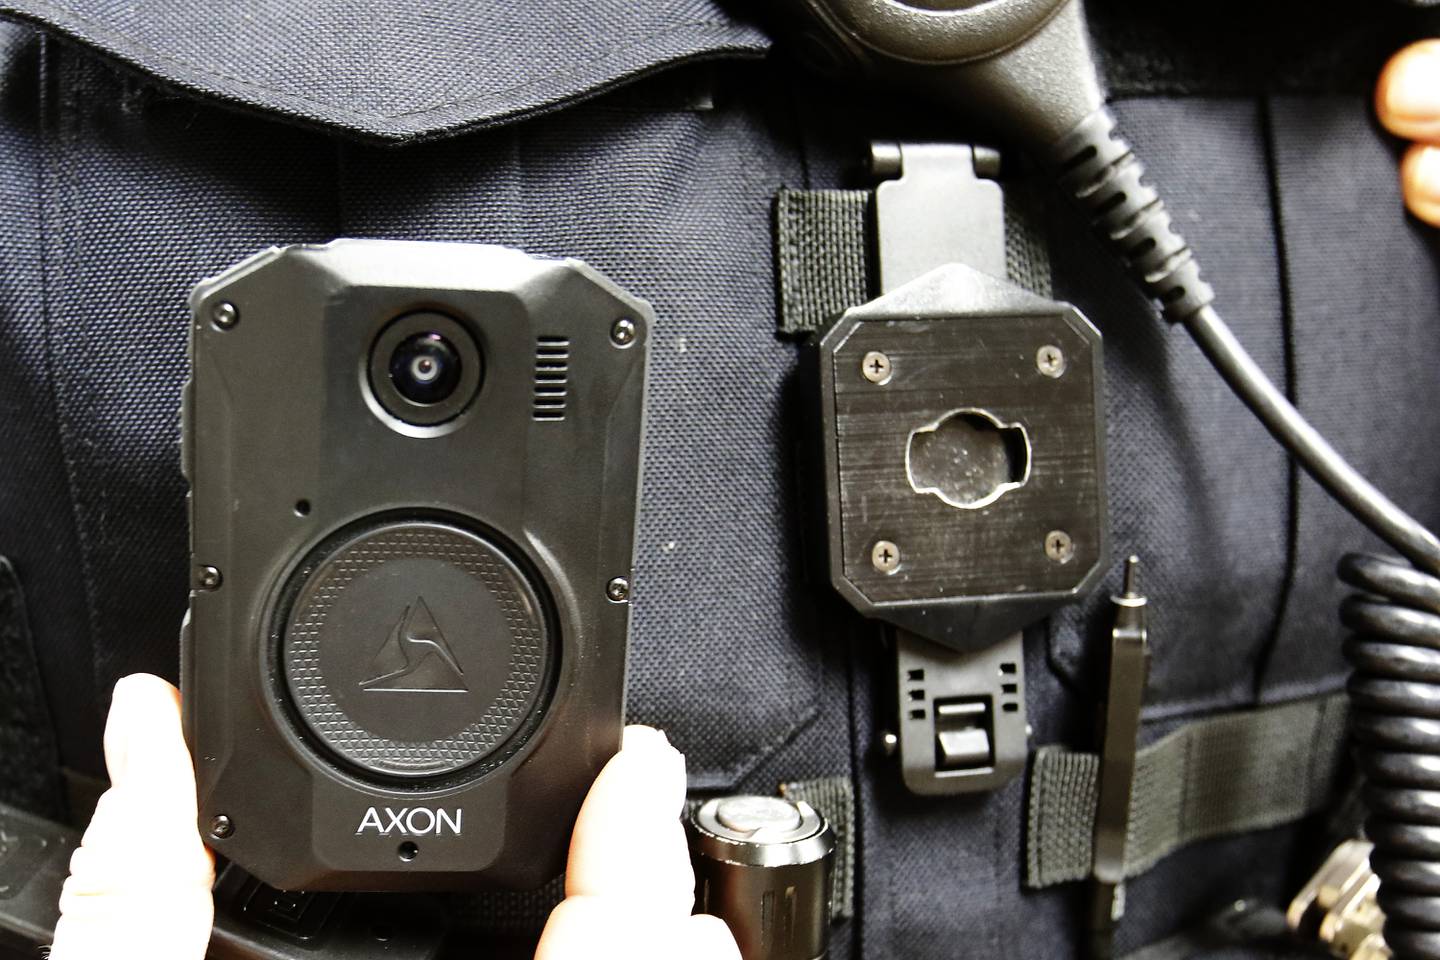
[
  {"x": 1395, "y": 721},
  {"x": 1395, "y": 647}
]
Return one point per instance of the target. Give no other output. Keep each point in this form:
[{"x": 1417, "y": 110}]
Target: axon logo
[{"x": 411, "y": 821}]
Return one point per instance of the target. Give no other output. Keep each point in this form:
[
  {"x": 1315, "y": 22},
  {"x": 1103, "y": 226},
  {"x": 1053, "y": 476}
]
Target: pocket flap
[{"x": 399, "y": 70}]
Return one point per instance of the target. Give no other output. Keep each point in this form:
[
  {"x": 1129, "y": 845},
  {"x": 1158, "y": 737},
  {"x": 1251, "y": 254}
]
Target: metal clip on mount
[
  {"x": 1124, "y": 695},
  {"x": 963, "y": 459},
  {"x": 1338, "y": 907}
]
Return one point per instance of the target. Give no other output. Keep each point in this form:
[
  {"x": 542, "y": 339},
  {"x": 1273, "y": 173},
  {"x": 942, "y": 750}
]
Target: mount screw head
[
  {"x": 623, "y": 333},
  {"x": 876, "y": 367},
  {"x": 1050, "y": 361},
  {"x": 1059, "y": 546},
  {"x": 618, "y": 590},
  {"x": 885, "y": 557},
  {"x": 224, "y": 315},
  {"x": 221, "y": 827}
]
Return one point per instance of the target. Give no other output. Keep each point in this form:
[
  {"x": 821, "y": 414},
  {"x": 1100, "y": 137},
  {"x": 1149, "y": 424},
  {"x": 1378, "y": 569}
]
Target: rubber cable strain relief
[{"x": 1099, "y": 169}]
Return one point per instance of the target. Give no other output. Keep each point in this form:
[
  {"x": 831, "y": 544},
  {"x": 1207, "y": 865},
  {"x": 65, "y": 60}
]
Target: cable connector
[{"x": 1338, "y": 907}]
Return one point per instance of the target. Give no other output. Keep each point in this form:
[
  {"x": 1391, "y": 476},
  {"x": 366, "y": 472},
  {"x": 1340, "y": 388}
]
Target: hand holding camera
[{"x": 130, "y": 886}]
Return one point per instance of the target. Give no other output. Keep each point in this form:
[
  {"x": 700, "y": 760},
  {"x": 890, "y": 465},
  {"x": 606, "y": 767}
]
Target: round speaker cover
[{"x": 414, "y": 648}]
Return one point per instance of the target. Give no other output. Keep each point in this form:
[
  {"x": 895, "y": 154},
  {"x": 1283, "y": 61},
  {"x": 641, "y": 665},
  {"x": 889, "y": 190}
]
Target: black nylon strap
[
  {"x": 822, "y": 248},
  {"x": 1226, "y": 774},
  {"x": 835, "y": 798},
  {"x": 823, "y": 240},
  {"x": 1027, "y": 257},
  {"x": 29, "y": 759}
]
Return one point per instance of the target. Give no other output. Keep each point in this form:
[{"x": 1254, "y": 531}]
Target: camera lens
[
  {"x": 425, "y": 368},
  {"x": 424, "y": 371}
]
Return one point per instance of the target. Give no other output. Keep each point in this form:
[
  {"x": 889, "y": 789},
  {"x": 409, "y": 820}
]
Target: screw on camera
[
  {"x": 623, "y": 333},
  {"x": 224, "y": 315},
  {"x": 618, "y": 590},
  {"x": 209, "y": 578}
]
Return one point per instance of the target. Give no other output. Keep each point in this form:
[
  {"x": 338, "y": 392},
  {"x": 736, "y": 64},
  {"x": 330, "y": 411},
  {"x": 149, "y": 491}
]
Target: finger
[
  {"x": 145, "y": 749},
  {"x": 140, "y": 882},
  {"x": 1407, "y": 98},
  {"x": 602, "y": 927},
  {"x": 152, "y": 781},
  {"x": 1420, "y": 182},
  {"x": 709, "y": 937},
  {"x": 629, "y": 843}
]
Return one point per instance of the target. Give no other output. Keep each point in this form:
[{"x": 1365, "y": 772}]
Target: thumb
[
  {"x": 140, "y": 882},
  {"x": 629, "y": 843},
  {"x": 629, "y": 888}
]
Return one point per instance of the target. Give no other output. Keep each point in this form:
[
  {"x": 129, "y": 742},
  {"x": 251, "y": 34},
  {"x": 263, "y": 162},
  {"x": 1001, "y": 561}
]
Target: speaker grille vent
[{"x": 552, "y": 377}]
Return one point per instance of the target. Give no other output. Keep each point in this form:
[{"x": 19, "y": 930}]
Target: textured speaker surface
[{"x": 414, "y": 648}]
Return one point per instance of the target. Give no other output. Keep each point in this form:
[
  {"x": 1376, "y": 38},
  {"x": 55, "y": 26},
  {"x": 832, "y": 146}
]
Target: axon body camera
[{"x": 414, "y": 470}]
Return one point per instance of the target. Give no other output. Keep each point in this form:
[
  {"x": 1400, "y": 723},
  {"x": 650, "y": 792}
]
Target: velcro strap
[
  {"x": 823, "y": 244},
  {"x": 1216, "y": 777},
  {"x": 822, "y": 248},
  {"x": 834, "y": 797}
]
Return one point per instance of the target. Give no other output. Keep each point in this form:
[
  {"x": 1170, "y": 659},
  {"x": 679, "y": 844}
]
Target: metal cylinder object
[{"x": 765, "y": 865}]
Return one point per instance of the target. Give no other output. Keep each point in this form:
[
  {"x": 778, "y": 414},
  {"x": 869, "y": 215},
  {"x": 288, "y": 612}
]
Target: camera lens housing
[
  {"x": 424, "y": 371},
  {"x": 425, "y": 368}
]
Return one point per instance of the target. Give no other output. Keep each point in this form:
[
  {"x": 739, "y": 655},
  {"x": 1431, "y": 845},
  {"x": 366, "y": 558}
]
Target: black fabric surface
[
  {"x": 1366, "y": 329},
  {"x": 126, "y": 233},
  {"x": 1237, "y": 47},
  {"x": 29, "y": 764},
  {"x": 394, "y": 69},
  {"x": 37, "y": 522}
]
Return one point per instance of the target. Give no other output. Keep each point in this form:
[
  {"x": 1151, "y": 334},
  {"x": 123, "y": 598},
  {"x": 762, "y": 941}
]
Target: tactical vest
[{"x": 145, "y": 148}]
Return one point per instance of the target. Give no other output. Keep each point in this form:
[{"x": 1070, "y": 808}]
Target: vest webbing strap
[
  {"x": 834, "y": 797},
  {"x": 823, "y": 252},
  {"x": 1220, "y": 776}
]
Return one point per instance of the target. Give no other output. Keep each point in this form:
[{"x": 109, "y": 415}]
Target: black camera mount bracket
[{"x": 962, "y": 448}]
